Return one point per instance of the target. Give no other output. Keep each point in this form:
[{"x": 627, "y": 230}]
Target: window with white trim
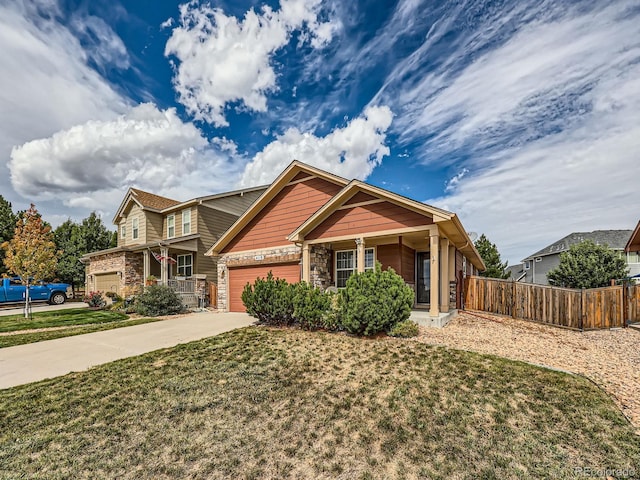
[
  {"x": 171, "y": 226},
  {"x": 185, "y": 265},
  {"x": 123, "y": 232},
  {"x": 527, "y": 264},
  {"x": 347, "y": 264},
  {"x": 186, "y": 221},
  {"x": 134, "y": 229}
]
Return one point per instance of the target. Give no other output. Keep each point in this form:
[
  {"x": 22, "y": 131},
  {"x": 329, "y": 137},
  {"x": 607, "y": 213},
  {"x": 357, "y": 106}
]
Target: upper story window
[
  {"x": 527, "y": 265},
  {"x": 171, "y": 226},
  {"x": 123, "y": 232},
  {"x": 186, "y": 221},
  {"x": 135, "y": 231},
  {"x": 347, "y": 264}
]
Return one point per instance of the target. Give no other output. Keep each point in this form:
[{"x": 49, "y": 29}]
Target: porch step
[{"x": 422, "y": 317}]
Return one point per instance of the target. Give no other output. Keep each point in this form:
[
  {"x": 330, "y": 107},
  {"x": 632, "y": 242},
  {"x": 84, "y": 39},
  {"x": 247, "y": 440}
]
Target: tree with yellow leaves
[{"x": 31, "y": 253}]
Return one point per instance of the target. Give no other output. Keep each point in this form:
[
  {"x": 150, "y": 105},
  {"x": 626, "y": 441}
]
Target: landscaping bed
[
  {"x": 611, "y": 358},
  {"x": 262, "y": 402}
]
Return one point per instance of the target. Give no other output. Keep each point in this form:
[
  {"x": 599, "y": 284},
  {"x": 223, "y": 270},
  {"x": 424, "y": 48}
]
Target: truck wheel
[{"x": 58, "y": 298}]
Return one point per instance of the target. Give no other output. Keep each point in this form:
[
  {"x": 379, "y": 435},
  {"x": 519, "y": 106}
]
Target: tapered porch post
[
  {"x": 146, "y": 267},
  {"x": 164, "y": 271},
  {"x": 434, "y": 300},
  {"x": 360, "y": 254},
  {"x": 444, "y": 275},
  {"x": 306, "y": 263}
]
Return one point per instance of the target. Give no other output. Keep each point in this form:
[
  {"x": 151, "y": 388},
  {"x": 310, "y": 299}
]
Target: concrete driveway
[{"x": 38, "y": 361}]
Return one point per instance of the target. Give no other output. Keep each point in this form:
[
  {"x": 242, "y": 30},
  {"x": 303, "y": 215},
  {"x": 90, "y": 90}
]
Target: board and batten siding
[
  {"x": 367, "y": 218},
  {"x": 283, "y": 214},
  {"x": 211, "y": 224}
]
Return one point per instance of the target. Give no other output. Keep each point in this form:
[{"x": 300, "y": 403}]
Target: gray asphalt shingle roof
[{"x": 615, "y": 239}]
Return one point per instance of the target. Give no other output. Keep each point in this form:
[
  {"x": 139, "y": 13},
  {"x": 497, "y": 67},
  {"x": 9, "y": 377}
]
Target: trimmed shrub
[
  {"x": 310, "y": 306},
  {"x": 374, "y": 301},
  {"x": 270, "y": 300},
  {"x": 405, "y": 329},
  {"x": 158, "y": 300},
  {"x": 332, "y": 318},
  {"x": 95, "y": 300}
]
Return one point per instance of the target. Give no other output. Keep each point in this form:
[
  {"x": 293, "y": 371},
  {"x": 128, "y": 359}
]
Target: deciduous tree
[
  {"x": 7, "y": 226},
  {"x": 31, "y": 253},
  {"x": 491, "y": 258},
  {"x": 587, "y": 265}
]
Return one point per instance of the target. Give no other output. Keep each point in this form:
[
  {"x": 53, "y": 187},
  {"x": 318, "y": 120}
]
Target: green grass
[
  {"x": 59, "y": 318},
  {"x": 263, "y": 403},
  {"x": 23, "y": 338}
]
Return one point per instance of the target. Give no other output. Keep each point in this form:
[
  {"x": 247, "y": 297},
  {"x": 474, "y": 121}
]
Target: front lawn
[
  {"x": 62, "y": 323},
  {"x": 267, "y": 403}
]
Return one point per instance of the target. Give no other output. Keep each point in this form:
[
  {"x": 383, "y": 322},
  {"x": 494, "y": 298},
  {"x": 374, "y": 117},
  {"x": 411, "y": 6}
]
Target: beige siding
[
  {"x": 154, "y": 227},
  {"x": 178, "y": 222},
  {"x": 211, "y": 224},
  {"x": 234, "y": 204},
  {"x": 134, "y": 212}
]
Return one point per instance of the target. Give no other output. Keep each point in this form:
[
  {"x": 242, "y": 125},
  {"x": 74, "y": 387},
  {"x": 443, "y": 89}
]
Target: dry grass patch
[{"x": 267, "y": 403}]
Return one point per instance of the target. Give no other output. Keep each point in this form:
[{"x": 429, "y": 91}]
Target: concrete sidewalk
[
  {"x": 41, "y": 307},
  {"x": 38, "y": 361}
]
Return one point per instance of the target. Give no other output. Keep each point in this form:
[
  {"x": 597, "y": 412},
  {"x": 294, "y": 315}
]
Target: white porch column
[
  {"x": 146, "y": 267},
  {"x": 306, "y": 263},
  {"x": 434, "y": 244},
  {"x": 360, "y": 254},
  {"x": 444, "y": 275},
  {"x": 164, "y": 271}
]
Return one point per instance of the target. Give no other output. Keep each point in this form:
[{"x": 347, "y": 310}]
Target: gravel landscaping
[{"x": 611, "y": 358}]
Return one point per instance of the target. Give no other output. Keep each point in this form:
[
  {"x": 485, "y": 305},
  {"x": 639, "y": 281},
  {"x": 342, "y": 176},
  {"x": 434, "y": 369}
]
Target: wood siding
[
  {"x": 134, "y": 212},
  {"x": 399, "y": 257},
  {"x": 210, "y": 224},
  {"x": 284, "y": 213},
  {"x": 367, "y": 218},
  {"x": 178, "y": 222},
  {"x": 240, "y": 276},
  {"x": 154, "y": 227},
  {"x": 408, "y": 264}
]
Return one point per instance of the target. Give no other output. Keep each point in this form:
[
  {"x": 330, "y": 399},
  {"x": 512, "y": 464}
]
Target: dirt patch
[{"x": 611, "y": 358}]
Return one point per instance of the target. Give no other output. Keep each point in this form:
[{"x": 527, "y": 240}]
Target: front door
[{"x": 423, "y": 272}]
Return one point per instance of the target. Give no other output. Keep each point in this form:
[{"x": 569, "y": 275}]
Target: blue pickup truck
[{"x": 11, "y": 290}]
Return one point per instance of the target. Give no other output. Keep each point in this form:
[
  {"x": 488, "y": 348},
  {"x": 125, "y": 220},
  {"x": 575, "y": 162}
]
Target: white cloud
[
  {"x": 223, "y": 60},
  {"x": 352, "y": 151},
  {"x": 146, "y": 147},
  {"x": 541, "y": 102}
]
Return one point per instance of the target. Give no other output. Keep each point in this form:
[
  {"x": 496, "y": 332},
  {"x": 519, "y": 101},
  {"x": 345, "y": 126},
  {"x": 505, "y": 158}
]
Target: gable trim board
[{"x": 353, "y": 214}]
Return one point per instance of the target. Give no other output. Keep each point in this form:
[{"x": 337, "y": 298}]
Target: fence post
[
  {"x": 626, "y": 305},
  {"x": 513, "y": 298},
  {"x": 583, "y": 308}
]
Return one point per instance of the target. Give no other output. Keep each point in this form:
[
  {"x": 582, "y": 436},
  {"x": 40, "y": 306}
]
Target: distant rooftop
[{"x": 614, "y": 239}]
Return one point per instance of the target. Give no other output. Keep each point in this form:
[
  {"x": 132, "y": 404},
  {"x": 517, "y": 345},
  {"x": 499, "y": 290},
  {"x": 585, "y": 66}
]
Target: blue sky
[{"x": 521, "y": 116}]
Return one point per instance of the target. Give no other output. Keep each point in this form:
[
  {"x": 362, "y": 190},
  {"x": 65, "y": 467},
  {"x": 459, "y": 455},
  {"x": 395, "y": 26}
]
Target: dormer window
[
  {"x": 135, "y": 229},
  {"x": 186, "y": 221},
  {"x": 171, "y": 226}
]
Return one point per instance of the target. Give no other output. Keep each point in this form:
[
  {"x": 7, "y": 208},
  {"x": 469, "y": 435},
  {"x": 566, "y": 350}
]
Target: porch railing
[{"x": 186, "y": 289}]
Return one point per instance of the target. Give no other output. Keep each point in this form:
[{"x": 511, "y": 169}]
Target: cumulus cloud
[
  {"x": 146, "y": 147},
  {"x": 222, "y": 60},
  {"x": 352, "y": 151}
]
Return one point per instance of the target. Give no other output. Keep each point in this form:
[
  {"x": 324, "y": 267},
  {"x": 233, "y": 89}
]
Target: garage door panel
[
  {"x": 108, "y": 282},
  {"x": 240, "y": 276}
]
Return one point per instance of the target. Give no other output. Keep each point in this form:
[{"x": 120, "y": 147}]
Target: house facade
[
  {"x": 164, "y": 238},
  {"x": 534, "y": 268},
  {"x": 314, "y": 226},
  {"x": 632, "y": 252}
]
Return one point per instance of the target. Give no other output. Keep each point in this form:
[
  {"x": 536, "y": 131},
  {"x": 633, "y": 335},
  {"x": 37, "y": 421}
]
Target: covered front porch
[{"x": 423, "y": 256}]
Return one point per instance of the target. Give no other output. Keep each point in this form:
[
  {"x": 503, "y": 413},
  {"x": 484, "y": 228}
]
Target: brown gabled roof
[{"x": 151, "y": 200}]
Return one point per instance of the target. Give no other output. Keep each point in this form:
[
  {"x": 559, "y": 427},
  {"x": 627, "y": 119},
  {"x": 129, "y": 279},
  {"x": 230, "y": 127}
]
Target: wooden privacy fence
[{"x": 579, "y": 309}]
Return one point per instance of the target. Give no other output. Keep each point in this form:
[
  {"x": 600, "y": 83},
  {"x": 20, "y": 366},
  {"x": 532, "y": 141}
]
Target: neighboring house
[
  {"x": 314, "y": 226},
  {"x": 535, "y": 267},
  {"x": 165, "y": 238},
  {"x": 632, "y": 252}
]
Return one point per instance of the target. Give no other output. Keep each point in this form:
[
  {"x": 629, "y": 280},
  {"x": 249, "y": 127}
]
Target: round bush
[
  {"x": 270, "y": 300},
  {"x": 310, "y": 306},
  {"x": 405, "y": 329},
  {"x": 158, "y": 300},
  {"x": 374, "y": 301}
]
